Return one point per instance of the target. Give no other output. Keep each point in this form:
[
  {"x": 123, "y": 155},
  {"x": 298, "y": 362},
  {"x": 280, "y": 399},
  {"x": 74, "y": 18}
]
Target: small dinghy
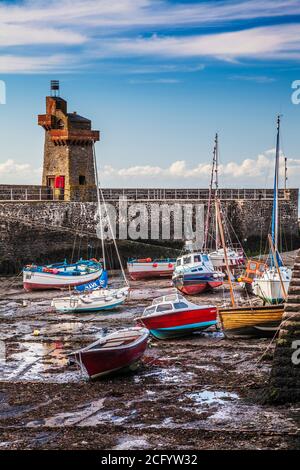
[
  {"x": 100, "y": 299},
  {"x": 172, "y": 316},
  {"x": 61, "y": 275},
  {"x": 119, "y": 351}
]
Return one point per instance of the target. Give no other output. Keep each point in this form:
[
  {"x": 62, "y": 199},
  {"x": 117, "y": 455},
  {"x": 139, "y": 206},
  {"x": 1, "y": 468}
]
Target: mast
[
  {"x": 274, "y": 233},
  {"x": 216, "y": 160},
  {"x": 99, "y": 207},
  {"x": 209, "y": 203}
]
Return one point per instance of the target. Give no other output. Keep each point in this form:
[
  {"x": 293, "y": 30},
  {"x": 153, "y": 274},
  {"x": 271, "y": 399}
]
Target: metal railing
[{"x": 42, "y": 193}]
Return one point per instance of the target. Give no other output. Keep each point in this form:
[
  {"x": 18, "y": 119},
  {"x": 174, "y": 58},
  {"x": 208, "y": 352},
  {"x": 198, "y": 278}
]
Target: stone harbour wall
[{"x": 35, "y": 231}]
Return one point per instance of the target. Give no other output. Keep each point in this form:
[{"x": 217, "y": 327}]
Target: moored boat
[
  {"x": 147, "y": 268},
  {"x": 194, "y": 273},
  {"x": 61, "y": 275},
  {"x": 92, "y": 301},
  {"x": 113, "y": 353},
  {"x": 272, "y": 286},
  {"x": 172, "y": 316},
  {"x": 251, "y": 319}
]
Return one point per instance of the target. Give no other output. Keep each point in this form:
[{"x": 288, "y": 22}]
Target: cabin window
[
  {"x": 197, "y": 259},
  {"x": 179, "y": 305},
  {"x": 150, "y": 310},
  {"x": 262, "y": 268},
  {"x": 178, "y": 262},
  {"x": 252, "y": 266},
  {"x": 187, "y": 260},
  {"x": 81, "y": 179},
  {"x": 164, "y": 307},
  {"x": 205, "y": 257}
]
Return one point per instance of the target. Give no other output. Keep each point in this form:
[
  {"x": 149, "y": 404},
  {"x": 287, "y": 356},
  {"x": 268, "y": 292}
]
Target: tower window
[{"x": 81, "y": 179}]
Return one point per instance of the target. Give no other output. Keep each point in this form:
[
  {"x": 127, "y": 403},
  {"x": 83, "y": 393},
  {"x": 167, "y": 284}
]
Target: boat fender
[
  {"x": 170, "y": 265},
  {"x": 155, "y": 265},
  {"x": 144, "y": 260}
]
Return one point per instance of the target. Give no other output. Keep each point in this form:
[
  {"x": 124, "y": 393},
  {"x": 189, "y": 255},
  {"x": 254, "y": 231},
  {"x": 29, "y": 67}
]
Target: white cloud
[
  {"x": 282, "y": 41},
  {"x": 100, "y": 28},
  {"x": 250, "y": 172},
  {"x": 12, "y": 172},
  {"x": 38, "y": 64}
]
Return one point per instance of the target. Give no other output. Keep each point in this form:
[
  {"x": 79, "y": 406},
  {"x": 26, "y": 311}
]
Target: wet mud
[{"x": 200, "y": 392}]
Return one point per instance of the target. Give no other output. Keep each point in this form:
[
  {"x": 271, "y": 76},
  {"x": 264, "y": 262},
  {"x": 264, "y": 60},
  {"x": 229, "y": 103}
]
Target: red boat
[
  {"x": 172, "y": 315},
  {"x": 113, "y": 353},
  {"x": 150, "y": 269}
]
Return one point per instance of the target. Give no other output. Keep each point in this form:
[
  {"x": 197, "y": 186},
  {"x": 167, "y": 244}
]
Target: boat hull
[
  {"x": 90, "y": 302},
  {"x": 194, "y": 286},
  {"x": 248, "y": 320},
  {"x": 180, "y": 323},
  {"x": 101, "y": 362},
  {"x": 139, "y": 271},
  {"x": 41, "y": 281},
  {"x": 270, "y": 291}
]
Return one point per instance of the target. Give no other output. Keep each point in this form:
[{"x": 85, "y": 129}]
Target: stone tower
[{"x": 68, "y": 169}]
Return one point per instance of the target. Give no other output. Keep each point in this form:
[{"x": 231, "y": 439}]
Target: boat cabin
[
  {"x": 253, "y": 270},
  {"x": 167, "y": 303},
  {"x": 192, "y": 258}
]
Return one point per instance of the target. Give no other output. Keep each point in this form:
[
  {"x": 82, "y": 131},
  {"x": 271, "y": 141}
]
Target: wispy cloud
[
  {"x": 97, "y": 29},
  {"x": 253, "y": 78},
  {"x": 161, "y": 81},
  {"x": 271, "y": 42}
]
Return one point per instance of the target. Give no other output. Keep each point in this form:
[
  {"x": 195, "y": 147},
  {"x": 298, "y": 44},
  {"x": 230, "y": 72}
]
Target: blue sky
[{"x": 158, "y": 78}]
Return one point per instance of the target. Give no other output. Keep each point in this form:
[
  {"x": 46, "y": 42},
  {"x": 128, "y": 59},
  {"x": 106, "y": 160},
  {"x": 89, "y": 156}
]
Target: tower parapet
[{"x": 68, "y": 169}]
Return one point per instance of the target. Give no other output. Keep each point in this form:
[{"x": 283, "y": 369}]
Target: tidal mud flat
[{"x": 201, "y": 392}]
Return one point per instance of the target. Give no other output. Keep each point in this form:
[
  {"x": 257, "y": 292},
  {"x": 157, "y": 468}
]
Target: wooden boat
[
  {"x": 93, "y": 301},
  {"x": 113, "y": 353},
  {"x": 147, "y": 268},
  {"x": 251, "y": 320},
  {"x": 247, "y": 319},
  {"x": 171, "y": 316},
  {"x": 61, "y": 275},
  {"x": 194, "y": 273}
]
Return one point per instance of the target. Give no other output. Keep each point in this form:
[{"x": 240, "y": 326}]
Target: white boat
[
  {"x": 269, "y": 286},
  {"x": 273, "y": 285},
  {"x": 235, "y": 258},
  {"x": 61, "y": 275},
  {"x": 147, "y": 268},
  {"x": 100, "y": 299}
]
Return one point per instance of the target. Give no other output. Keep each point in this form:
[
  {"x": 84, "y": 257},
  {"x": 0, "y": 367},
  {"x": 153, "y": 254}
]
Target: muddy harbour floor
[{"x": 201, "y": 392}]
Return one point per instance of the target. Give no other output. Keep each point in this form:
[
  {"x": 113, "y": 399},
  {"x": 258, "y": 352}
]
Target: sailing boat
[
  {"x": 248, "y": 319},
  {"x": 217, "y": 257},
  {"x": 273, "y": 285},
  {"x": 93, "y": 297}
]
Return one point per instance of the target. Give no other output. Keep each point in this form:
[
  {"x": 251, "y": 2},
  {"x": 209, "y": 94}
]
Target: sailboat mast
[
  {"x": 275, "y": 196},
  {"x": 209, "y": 203},
  {"x": 216, "y": 160},
  {"x": 99, "y": 206}
]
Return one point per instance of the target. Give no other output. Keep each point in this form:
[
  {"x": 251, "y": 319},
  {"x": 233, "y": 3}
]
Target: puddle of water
[
  {"x": 171, "y": 375},
  {"x": 132, "y": 443},
  {"x": 208, "y": 398},
  {"x": 90, "y": 414}
]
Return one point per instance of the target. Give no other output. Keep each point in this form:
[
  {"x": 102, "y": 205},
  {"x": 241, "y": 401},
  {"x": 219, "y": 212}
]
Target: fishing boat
[
  {"x": 61, "y": 275},
  {"x": 194, "y": 273},
  {"x": 116, "y": 352},
  {"x": 96, "y": 297},
  {"x": 172, "y": 316},
  {"x": 147, "y": 268},
  {"x": 272, "y": 286},
  {"x": 253, "y": 269},
  {"x": 236, "y": 259}
]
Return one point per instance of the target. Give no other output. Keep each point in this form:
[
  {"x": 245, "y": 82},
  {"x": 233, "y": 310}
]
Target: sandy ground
[{"x": 201, "y": 392}]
